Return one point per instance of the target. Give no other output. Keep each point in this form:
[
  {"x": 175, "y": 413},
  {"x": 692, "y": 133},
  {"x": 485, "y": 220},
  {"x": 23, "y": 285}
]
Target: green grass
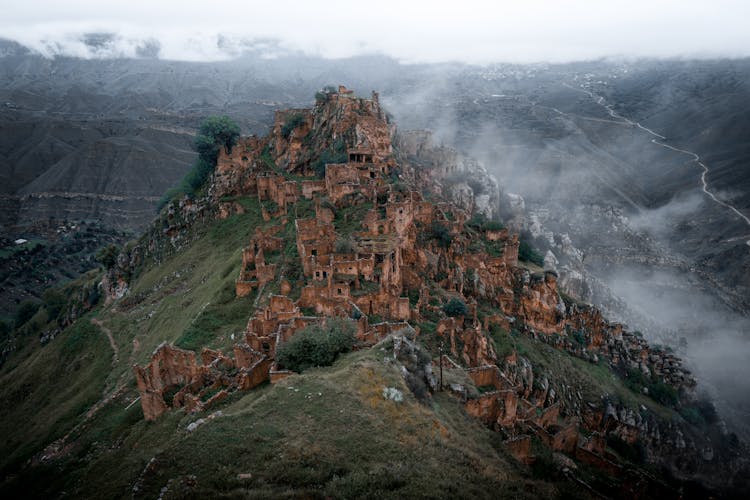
[
  {"x": 29, "y": 245},
  {"x": 189, "y": 298},
  {"x": 349, "y": 220},
  {"x": 46, "y": 394},
  {"x": 326, "y": 433}
]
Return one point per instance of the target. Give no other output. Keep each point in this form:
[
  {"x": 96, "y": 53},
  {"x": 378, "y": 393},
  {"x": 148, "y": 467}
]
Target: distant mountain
[{"x": 101, "y": 140}]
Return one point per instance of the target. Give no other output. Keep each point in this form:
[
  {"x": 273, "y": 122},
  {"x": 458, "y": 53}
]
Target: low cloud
[{"x": 476, "y": 31}]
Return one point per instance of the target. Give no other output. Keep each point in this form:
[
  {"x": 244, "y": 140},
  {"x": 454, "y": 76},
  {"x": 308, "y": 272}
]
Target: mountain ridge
[{"x": 270, "y": 247}]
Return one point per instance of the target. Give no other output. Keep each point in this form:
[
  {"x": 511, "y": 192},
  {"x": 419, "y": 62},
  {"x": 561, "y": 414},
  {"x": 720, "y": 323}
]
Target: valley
[{"x": 626, "y": 184}]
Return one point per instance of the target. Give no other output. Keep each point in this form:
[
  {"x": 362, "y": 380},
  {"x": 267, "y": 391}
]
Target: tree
[
  {"x": 527, "y": 253},
  {"x": 455, "y": 307},
  {"x": 214, "y": 133},
  {"x": 107, "y": 256},
  {"x": 441, "y": 233}
]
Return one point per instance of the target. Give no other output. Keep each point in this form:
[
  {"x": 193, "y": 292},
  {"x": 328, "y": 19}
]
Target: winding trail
[
  {"x": 658, "y": 140},
  {"x": 62, "y": 446},
  {"x": 112, "y": 343}
]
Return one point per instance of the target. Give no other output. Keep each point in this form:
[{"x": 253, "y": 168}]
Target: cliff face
[{"x": 379, "y": 238}]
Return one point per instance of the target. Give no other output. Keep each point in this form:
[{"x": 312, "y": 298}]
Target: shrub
[
  {"x": 216, "y": 132},
  {"x": 492, "y": 225},
  {"x": 455, "y": 307},
  {"x": 317, "y": 345},
  {"x": 707, "y": 411},
  {"x": 344, "y": 245},
  {"x": 107, "y": 256},
  {"x": 197, "y": 175},
  {"x": 336, "y": 153},
  {"x": 441, "y": 233},
  {"x": 292, "y": 123},
  {"x": 692, "y": 415},
  {"x": 663, "y": 393},
  {"x": 580, "y": 337},
  {"x": 323, "y": 94},
  {"x": 528, "y": 254}
]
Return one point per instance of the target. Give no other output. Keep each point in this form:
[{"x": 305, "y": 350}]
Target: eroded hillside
[{"x": 335, "y": 215}]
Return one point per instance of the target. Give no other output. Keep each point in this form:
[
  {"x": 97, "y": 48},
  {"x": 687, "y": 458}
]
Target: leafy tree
[
  {"x": 527, "y": 253},
  {"x": 214, "y": 133},
  {"x": 455, "y": 307},
  {"x": 107, "y": 256},
  {"x": 317, "y": 345},
  {"x": 292, "y": 123},
  {"x": 441, "y": 233}
]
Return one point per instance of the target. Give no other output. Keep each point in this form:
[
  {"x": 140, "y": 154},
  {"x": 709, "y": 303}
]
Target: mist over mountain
[
  {"x": 632, "y": 177},
  {"x": 636, "y": 208}
]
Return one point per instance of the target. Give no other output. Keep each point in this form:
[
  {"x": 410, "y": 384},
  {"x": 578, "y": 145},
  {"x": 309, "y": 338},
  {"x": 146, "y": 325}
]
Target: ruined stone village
[{"x": 404, "y": 243}]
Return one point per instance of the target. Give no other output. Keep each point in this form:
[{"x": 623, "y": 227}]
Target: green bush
[
  {"x": 323, "y": 94},
  {"x": 317, "y": 345},
  {"x": 455, "y": 307},
  {"x": 441, "y": 233},
  {"x": 107, "y": 256},
  {"x": 528, "y": 254},
  {"x": 663, "y": 393},
  {"x": 344, "y": 245},
  {"x": 492, "y": 225},
  {"x": 336, "y": 153},
  {"x": 216, "y": 132},
  {"x": 692, "y": 415},
  {"x": 292, "y": 123}
]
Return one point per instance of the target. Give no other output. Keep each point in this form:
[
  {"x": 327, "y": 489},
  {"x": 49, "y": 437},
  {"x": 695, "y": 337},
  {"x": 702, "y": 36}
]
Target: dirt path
[{"x": 112, "y": 343}]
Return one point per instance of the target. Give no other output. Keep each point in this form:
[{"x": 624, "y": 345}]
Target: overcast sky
[{"x": 429, "y": 31}]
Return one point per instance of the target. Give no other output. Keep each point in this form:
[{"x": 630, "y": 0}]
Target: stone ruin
[{"x": 368, "y": 276}]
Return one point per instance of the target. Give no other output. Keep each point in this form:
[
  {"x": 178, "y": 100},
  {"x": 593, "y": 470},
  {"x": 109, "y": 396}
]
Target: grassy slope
[
  {"x": 328, "y": 432},
  {"x": 347, "y": 442},
  {"x": 45, "y": 395}
]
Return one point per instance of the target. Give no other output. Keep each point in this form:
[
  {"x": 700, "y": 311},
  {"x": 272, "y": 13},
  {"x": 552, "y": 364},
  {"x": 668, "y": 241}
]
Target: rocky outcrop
[{"x": 443, "y": 170}]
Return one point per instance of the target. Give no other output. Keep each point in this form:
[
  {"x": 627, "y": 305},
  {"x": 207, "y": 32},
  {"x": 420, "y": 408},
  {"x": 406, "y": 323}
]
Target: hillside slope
[{"x": 170, "y": 384}]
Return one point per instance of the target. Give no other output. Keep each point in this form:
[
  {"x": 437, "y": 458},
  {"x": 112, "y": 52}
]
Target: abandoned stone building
[{"x": 403, "y": 236}]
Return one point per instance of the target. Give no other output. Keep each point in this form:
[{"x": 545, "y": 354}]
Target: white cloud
[{"x": 469, "y": 30}]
